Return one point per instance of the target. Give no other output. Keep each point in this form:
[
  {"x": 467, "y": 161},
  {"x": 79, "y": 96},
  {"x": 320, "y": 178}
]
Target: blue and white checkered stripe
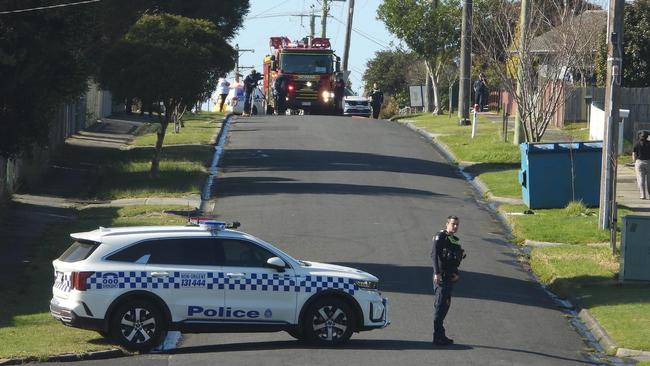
[
  {"x": 218, "y": 280},
  {"x": 63, "y": 281},
  {"x": 131, "y": 280}
]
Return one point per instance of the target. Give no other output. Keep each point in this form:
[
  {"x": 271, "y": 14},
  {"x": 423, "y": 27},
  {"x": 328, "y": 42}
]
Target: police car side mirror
[{"x": 277, "y": 263}]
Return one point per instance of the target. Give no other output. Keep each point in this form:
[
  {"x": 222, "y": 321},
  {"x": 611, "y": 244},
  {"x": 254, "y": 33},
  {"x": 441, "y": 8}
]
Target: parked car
[
  {"x": 356, "y": 106},
  {"x": 235, "y": 100},
  {"x": 135, "y": 283}
]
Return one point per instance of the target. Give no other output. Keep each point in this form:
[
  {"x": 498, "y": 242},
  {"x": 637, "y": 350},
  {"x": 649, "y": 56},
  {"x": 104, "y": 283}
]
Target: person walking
[
  {"x": 223, "y": 86},
  {"x": 446, "y": 255},
  {"x": 641, "y": 158},
  {"x": 339, "y": 93},
  {"x": 376, "y": 99}
]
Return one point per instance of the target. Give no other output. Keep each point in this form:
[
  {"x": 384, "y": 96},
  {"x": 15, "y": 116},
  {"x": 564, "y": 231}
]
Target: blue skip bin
[{"x": 554, "y": 174}]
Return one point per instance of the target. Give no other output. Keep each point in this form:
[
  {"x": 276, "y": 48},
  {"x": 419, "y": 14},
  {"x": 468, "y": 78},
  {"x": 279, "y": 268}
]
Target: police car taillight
[{"x": 78, "y": 280}]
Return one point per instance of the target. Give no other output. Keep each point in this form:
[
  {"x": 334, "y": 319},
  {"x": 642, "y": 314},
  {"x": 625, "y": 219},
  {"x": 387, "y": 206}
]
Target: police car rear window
[{"x": 78, "y": 251}]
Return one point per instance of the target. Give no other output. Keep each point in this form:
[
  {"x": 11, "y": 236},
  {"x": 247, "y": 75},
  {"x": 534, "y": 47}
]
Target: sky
[{"x": 273, "y": 18}]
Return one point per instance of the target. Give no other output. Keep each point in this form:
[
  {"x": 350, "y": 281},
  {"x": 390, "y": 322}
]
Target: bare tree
[{"x": 556, "y": 43}]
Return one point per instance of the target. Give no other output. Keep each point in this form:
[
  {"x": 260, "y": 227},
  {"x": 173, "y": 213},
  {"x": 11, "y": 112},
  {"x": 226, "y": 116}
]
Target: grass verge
[
  {"x": 199, "y": 129},
  {"x": 577, "y": 270}
]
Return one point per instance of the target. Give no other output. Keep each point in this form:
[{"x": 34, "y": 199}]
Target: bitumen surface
[{"x": 30, "y": 215}]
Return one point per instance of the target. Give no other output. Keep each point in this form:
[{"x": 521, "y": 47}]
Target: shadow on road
[
  {"x": 250, "y": 160},
  {"x": 236, "y": 186},
  {"x": 474, "y": 285},
  {"x": 364, "y": 344}
]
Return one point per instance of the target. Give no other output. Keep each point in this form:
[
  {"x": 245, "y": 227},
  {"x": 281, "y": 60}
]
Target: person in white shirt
[{"x": 222, "y": 89}]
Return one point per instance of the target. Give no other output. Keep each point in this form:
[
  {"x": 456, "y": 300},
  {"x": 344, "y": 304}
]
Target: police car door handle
[
  {"x": 235, "y": 274},
  {"x": 159, "y": 274}
]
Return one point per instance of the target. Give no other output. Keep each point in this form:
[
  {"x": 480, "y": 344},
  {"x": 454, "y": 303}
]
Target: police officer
[
  {"x": 376, "y": 99},
  {"x": 280, "y": 89},
  {"x": 446, "y": 255},
  {"x": 250, "y": 83}
]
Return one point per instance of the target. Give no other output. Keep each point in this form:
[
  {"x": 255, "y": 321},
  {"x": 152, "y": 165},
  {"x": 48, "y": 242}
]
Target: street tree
[
  {"x": 394, "y": 71},
  {"x": 170, "y": 60},
  {"x": 44, "y": 62},
  {"x": 533, "y": 68},
  {"x": 430, "y": 29},
  {"x": 636, "y": 47}
]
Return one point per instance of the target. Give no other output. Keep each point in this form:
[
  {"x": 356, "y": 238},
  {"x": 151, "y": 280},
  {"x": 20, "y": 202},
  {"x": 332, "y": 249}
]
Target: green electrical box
[{"x": 635, "y": 248}]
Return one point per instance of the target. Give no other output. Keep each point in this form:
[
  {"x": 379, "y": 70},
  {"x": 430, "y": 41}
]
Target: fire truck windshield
[{"x": 306, "y": 63}]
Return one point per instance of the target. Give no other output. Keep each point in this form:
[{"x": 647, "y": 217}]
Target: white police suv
[{"x": 135, "y": 283}]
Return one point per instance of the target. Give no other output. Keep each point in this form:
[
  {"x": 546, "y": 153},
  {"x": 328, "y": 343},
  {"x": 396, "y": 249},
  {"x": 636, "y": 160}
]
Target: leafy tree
[
  {"x": 168, "y": 59},
  {"x": 393, "y": 71},
  {"x": 636, "y": 47},
  {"x": 430, "y": 29},
  {"x": 45, "y": 60}
]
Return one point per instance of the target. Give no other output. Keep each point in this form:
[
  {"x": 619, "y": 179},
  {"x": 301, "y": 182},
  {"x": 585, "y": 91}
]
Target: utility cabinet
[{"x": 635, "y": 248}]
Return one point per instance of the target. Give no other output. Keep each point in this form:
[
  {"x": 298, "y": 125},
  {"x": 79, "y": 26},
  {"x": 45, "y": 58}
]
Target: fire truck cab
[{"x": 310, "y": 68}]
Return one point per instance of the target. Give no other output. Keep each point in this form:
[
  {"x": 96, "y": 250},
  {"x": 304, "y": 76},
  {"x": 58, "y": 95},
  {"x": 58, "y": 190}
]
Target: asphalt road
[{"x": 371, "y": 194}]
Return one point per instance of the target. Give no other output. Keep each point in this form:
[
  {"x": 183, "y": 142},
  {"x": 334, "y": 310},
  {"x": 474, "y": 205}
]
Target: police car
[{"x": 135, "y": 283}]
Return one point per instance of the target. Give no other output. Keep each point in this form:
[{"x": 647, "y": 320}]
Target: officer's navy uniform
[{"x": 446, "y": 255}]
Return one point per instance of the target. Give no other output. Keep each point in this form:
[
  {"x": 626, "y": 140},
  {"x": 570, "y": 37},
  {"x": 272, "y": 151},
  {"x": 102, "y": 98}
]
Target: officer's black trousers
[{"x": 441, "y": 303}]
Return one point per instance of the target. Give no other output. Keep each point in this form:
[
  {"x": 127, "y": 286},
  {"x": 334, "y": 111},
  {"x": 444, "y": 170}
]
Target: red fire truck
[{"x": 310, "y": 67}]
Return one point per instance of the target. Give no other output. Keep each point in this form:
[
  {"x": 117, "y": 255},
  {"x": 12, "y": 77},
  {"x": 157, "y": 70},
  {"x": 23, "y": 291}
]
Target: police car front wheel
[
  {"x": 138, "y": 325},
  {"x": 328, "y": 321}
]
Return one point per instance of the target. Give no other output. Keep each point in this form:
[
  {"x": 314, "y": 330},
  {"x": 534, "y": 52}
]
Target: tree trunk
[
  {"x": 434, "y": 88},
  {"x": 428, "y": 103},
  {"x": 164, "y": 122}
]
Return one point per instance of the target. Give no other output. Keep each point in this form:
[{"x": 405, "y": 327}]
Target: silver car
[{"x": 356, "y": 106}]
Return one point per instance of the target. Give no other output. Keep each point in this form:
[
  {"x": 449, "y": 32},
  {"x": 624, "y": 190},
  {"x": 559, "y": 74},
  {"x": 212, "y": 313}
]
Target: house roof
[{"x": 586, "y": 27}]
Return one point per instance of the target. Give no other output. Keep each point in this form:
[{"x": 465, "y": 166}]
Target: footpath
[{"x": 627, "y": 194}]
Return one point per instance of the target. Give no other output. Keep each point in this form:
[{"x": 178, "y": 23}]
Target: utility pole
[
  {"x": 348, "y": 33},
  {"x": 524, "y": 43},
  {"x": 312, "y": 24},
  {"x": 607, "y": 211},
  {"x": 238, "y": 52},
  {"x": 323, "y": 19},
  {"x": 465, "y": 63}
]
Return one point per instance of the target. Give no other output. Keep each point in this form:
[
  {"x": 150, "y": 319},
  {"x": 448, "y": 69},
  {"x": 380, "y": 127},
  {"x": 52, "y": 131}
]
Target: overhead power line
[
  {"x": 48, "y": 7},
  {"x": 364, "y": 35}
]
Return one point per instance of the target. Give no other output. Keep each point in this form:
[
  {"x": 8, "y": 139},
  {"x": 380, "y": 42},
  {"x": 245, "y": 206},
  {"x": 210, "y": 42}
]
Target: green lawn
[{"x": 199, "y": 129}]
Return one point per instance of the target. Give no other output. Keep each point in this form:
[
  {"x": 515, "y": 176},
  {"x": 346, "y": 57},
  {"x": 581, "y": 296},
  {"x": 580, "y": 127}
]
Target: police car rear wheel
[
  {"x": 138, "y": 325},
  {"x": 328, "y": 322}
]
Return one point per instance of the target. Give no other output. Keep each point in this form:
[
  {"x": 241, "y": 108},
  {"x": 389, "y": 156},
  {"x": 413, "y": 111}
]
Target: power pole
[
  {"x": 524, "y": 43},
  {"x": 348, "y": 33},
  {"x": 312, "y": 25},
  {"x": 323, "y": 19},
  {"x": 607, "y": 211},
  {"x": 238, "y": 52},
  {"x": 465, "y": 63}
]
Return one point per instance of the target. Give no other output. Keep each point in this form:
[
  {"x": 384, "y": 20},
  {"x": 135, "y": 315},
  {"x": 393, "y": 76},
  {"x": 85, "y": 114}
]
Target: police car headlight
[{"x": 366, "y": 285}]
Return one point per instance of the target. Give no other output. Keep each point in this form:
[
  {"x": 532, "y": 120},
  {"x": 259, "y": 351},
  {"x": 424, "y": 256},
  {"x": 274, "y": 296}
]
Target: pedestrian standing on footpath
[
  {"x": 376, "y": 99},
  {"x": 223, "y": 87},
  {"x": 480, "y": 91},
  {"x": 446, "y": 255},
  {"x": 641, "y": 159}
]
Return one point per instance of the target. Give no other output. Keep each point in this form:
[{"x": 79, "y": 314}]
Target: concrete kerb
[
  {"x": 589, "y": 326},
  {"x": 98, "y": 355},
  {"x": 207, "y": 201}
]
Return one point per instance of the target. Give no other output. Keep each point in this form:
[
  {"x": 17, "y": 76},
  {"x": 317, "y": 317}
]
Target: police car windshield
[{"x": 306, "y": 63}]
